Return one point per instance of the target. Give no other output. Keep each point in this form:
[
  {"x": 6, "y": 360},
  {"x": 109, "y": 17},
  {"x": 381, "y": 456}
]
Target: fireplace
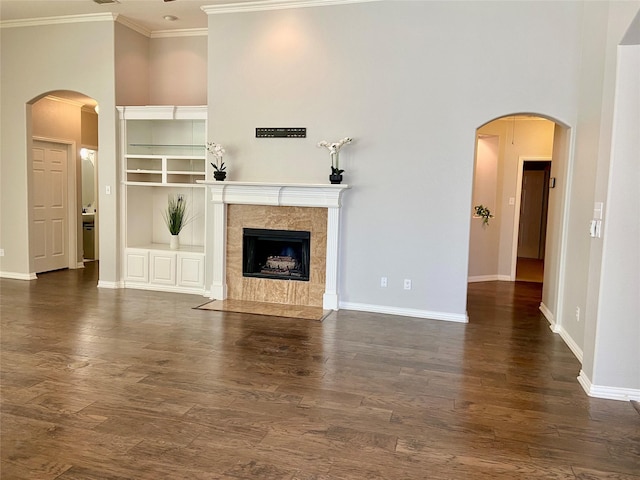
[
  {"x": 276, "y": 254},
  {"x": 291, "y": 206}
]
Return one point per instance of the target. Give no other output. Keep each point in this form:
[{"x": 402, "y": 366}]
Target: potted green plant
[
  {"x": 175, "y": 216},
  {"x": 217, "y": 151},
  {"x": 483, "y": 212}
]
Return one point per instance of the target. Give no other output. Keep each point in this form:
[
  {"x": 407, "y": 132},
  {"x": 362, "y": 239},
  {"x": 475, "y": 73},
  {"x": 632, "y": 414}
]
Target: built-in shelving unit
[{"x": 163, "y": 153}]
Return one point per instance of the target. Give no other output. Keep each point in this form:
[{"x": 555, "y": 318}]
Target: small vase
[
  {"x": 174, "y": 243},
  {"x": 335, "y": 178},
  {"x": 219, "y": 175}
]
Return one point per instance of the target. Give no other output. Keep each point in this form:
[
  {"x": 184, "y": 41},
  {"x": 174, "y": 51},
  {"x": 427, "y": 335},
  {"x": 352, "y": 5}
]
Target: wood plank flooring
[{"x": 127, "y": 384}]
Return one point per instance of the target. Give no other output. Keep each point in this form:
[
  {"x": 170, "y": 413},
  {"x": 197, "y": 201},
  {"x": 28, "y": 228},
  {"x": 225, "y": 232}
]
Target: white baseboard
[
  {"x": 162, "y": 288},
  {"x": 103, "y": 284},
  {"x": 489, "y": 278},
  {"x": 406, "y": 312},
  {"x": 548, "y": 314},
  {"x": 610, "y": 393},
  {"x": 18, "y": 276},
  {"x": 555, "y": 328},
  {"x": 573, "y": 346}
]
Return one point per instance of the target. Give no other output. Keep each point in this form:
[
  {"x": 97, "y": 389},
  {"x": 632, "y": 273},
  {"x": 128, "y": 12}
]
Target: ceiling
[{"x": 148, "y": 14}]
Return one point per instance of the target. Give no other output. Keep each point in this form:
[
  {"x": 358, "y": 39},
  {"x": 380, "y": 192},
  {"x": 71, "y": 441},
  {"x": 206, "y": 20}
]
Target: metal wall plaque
[{"x": 281, "y": 132}]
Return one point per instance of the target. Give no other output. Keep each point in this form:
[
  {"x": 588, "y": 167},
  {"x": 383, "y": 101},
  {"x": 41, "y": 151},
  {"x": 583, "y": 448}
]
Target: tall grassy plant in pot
[{"x": 175, "y": 216}]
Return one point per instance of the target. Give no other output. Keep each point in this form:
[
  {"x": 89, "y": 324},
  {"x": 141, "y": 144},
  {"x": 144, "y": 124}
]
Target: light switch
[
  {"x": 595, "y": 228},
  {"x": 512, "y": 200},
  {"x": 598, "y": 210}
]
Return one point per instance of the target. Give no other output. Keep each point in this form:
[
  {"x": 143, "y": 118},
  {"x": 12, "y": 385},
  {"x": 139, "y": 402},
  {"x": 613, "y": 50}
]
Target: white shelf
[
  {"x": 164, "y": 247},
  {"x": 160, "y": 184},
  {"x": 171, "y": 157}
]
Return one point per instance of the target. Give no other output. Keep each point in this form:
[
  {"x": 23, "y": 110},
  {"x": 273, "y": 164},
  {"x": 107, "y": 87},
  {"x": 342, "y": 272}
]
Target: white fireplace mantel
[{"x": 274, "y": 194}]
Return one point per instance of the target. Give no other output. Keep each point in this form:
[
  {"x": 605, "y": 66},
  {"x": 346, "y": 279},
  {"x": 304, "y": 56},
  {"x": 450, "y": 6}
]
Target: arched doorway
[
  {"x": 61, "y": 126},
  {"x": 510, "y": 150}
]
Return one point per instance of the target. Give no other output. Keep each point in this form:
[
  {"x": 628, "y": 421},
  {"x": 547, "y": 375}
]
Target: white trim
[
  {"x": 406, "y": 312},
  {"x": 276, "y": 194},
  {"x": 556, "y": 328},
  {"x": 18, "y": 276},
  {"x": 489, "y": 278},
  {"x": 548, "y": 314},
  {"x": 185, "y": 32},
  {"x": 162, "y": 288},
  {"x": 573, "y": 346},
  {"x": 610, "y": 393},
  {"x": 163, "y": 112},
  {"x": 36, "y": 22},
  {"x": 262, "y": 5},
  {"x": 564, "y": 219},
  {"x": 68, "y": 101},
  {"x": 114, "y": 285},
  {"x": 132, "y": 25}
]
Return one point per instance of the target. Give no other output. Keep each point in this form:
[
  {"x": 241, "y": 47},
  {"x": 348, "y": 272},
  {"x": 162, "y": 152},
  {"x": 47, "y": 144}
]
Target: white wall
[
  {"x": 178, "y": 70},
  {"x": 619, "y": 302},
  {"x": 131, "y": 66},
  {"x": 34, "y": 61},
  {"x": 484, "y": 241},
  {"x": 611, "y": 365},
  {"x": 410, "y": 81}
]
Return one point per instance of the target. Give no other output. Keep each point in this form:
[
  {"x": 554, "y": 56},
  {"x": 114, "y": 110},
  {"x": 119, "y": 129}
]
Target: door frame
[
  {"x": 516, "y": 215},
  {"x": 72, "y": 201}
]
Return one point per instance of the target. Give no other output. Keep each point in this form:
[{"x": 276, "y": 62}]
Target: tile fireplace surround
[{"x": 222, "y": 194}]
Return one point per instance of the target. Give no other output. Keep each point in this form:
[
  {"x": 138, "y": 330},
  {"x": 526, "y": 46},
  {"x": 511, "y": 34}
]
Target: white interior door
[{"x": 50, "y": 235}]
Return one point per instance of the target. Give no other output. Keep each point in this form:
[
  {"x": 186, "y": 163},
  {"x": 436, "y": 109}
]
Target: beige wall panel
[{"x": 289, "y": 292}]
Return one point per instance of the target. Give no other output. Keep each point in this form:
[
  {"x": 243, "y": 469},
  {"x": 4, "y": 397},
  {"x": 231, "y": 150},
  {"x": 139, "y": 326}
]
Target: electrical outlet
[
  {"x": 577, "y": 314},
  {"x": 383, "y": 282},
  {"x": 407, "y": 284},
  {"x": 1, "y": 252}
]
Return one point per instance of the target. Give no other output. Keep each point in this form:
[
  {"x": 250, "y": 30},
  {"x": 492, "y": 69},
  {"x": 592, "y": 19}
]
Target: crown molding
[
  {"x": 36, "y": 22},
  {"x": 186, "y": 32},
  {"x": 523, "y": 118},
  {"x": 103, "y": 17},
  {"x": 132, "y": 25},
  {"x": 262, "y": 5},
  {"x": 68, "y": 101}
]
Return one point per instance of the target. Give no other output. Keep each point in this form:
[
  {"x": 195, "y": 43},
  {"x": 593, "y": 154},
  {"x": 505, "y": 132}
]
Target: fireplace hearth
[{"x": 276, "y": 254}]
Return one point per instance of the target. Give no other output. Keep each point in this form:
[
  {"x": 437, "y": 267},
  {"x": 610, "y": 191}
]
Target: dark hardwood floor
[{"x": 126, "y": 384}]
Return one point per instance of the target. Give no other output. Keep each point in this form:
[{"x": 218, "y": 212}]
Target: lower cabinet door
[
  {"x": 137, "y": 266},
  {"x": 162, "y": 268},
  {"x": 191, "y": 270}
]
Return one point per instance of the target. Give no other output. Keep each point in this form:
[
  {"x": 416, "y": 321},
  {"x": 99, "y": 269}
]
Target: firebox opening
[{"x": 277, "y": 254}]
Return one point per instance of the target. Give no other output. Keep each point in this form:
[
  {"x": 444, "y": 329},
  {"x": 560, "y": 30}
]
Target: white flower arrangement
[
  {"x": 218, "y": 152},
  {"x": 334, "y": 150}
]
